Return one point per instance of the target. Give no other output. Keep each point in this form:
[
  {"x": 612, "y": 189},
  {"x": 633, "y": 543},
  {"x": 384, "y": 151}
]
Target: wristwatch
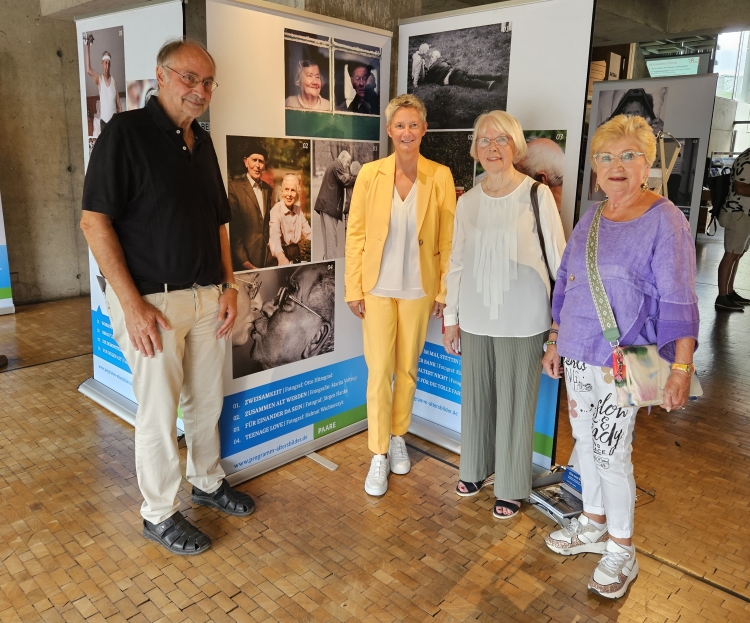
[
  {"x": 687, "y": 368},
  {"x": 227, "y": 286}
]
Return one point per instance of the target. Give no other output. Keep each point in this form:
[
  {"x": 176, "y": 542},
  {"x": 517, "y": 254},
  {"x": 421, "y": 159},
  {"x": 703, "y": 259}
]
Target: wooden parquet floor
[{"x": 319, "y": 549}]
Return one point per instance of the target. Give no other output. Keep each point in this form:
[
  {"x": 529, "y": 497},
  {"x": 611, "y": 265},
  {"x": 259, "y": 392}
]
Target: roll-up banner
[
  {"x": 117, "y": 71},
  {"x": 529, "y": 57},
  {"x": 661, "y": 101},
  {"x": 6, "y": 296},
  {"x": 296, "y": 115}
]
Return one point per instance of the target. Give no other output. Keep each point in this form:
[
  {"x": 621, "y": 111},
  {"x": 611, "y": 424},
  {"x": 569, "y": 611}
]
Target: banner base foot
[
  {"x": 109, "y": 399},
  {"x": 322, "y": 461},
  {"x": 439, "y": 435}
]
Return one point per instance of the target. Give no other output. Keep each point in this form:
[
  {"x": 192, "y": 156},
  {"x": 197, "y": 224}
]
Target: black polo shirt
[{"x": 166, "y": 203}]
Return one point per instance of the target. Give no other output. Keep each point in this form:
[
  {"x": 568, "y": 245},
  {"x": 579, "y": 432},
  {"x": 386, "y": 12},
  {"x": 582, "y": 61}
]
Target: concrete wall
[{"x": 41, "y": 164}]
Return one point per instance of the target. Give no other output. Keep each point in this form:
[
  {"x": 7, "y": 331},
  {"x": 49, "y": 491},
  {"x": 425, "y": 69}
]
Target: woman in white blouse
[{"x": 497, "y": 313}]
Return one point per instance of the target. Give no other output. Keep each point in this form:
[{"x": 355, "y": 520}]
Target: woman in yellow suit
[{"x": 398, "y": 248}]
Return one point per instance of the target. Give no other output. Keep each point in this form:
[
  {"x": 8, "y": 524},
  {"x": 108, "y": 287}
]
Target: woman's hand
[
  {"x": 676, "y": 391},
  {"x": 450, "y": 340},
  {"x": 357, "y": 307},
  {"x": 437, "y": 310},
  {"x": 551, "y": 362}
]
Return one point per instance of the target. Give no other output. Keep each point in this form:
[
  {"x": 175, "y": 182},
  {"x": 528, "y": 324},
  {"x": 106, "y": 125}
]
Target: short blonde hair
[
  {"x": 505, "y": 123},
  {"x": 407, "y": 100},
  {"x": 624, "y": 126}
]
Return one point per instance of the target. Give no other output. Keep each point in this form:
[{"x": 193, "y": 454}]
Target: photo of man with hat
[{"x": 250, "y": 199}]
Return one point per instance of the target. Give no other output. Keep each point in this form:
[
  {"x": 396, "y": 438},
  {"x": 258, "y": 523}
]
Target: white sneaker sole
[
  {"x": 376, "y": 492},
  {"x": 588, "y": 548},
  {"x": 617, "y": 594},
  {"x": 401, "y": 468}
]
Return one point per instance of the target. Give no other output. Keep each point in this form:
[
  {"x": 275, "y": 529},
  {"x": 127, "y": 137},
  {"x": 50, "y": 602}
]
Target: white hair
[
  {"x": 294, "y": 177},
  {"x": 344, "y": 156},
  {"x": 544, "y": 155},
  {"x": 424, "y": 48}
]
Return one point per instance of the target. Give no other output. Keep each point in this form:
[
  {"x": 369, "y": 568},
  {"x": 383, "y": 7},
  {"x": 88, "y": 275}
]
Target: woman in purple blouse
[{"x": 646, "y": 260}]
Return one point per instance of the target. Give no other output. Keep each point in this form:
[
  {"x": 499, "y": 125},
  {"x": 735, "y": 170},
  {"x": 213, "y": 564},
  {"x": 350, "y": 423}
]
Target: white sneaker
[
  {"x": 580, "y": 536},
  {"x": 376, "y": 482},
  {"x": 615, "y": 571},
  {"x": 399, "y": 457}
]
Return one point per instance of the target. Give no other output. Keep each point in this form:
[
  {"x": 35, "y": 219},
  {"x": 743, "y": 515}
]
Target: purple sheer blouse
[{"x": 647, "y": 266}]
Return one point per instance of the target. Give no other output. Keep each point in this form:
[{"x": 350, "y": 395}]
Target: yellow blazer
[{"x": 369, "y": 221}]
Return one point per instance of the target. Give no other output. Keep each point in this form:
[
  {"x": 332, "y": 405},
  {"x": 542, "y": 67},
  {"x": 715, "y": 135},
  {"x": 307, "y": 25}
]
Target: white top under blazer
[
  {"x": 498, "y": 284},
  {"x": 399, "y": 276}
]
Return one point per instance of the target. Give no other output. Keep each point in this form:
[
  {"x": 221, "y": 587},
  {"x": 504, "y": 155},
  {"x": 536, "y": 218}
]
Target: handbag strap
[
  {"x": 535, "y": 208},
  {"x": 598, "y": 293}
]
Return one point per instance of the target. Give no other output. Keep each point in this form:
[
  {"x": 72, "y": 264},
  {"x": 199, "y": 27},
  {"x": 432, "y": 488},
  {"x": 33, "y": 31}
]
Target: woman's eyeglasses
[
  {"x": 626, "y": 158},
  {"x": 500, "y": 141}
]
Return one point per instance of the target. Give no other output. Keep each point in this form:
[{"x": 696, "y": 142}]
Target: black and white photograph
[
  {"x": 681, "y": 180},
  {"x": 336, "y": 165},
  {"x": 459, "y": 74},
  {"x": 104, "y": 61},
  {"x": 356, "y": 70},
  {"x": 307, "y": 62},
  {"x": 452, "y": 150},
  {"x": 269, "y": 195},
  {"x": 647, "y": 103},
  {"x": 283, "y": 315},
  {"x": 139, "y": 92}
]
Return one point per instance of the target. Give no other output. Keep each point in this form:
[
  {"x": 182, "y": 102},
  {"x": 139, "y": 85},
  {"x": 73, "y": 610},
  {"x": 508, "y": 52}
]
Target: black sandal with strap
[
  {"x": 226, "y": 499},
  {"x": 511, "y": 506},
  {"x": 177, "y": 535},
  {"x": 472, "y": 488}
]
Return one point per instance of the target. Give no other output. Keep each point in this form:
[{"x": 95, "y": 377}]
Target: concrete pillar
[{"x": 41, "y": 177}]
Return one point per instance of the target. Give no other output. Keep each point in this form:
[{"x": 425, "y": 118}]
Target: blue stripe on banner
[
  {"x": 105, "y": 346},
  {"x": 546, "y": 406},
  {"x": 439, "y": 374},
  {"x": 256, "y": 415},
  {"x": 4, "y": 266}
]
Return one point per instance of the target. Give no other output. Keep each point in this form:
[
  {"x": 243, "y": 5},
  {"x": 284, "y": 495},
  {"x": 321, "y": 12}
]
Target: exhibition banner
[
  {"x": 117, "y": 73},
  {"x": 297, "y": 115},
  {"x": 529, "y": 57},
  {"x": 6, "y": 296},
  {"x": 662, "y": 102}
]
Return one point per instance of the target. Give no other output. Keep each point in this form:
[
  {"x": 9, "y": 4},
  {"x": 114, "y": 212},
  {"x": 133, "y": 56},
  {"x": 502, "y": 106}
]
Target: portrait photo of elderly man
[
  {"x": 284, "y": 315},
  {"x": 544, "y": 162},
  {"x": 265, "y": 174},
  {"x": 357, "y": 83},
  {"x": 461, "y": 73}
]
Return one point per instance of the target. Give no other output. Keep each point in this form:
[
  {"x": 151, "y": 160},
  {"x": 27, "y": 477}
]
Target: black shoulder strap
[{"x": 535, "y": 207}]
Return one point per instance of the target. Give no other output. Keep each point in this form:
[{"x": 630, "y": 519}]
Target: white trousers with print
[{"x": 604, "y": 435}]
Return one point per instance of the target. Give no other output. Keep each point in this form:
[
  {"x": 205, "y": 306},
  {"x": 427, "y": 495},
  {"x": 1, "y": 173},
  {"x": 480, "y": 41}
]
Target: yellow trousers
[{"x": 394, "y": 333}]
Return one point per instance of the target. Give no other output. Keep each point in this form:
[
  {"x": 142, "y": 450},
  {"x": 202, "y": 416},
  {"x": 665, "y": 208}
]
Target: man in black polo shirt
[{"x": 154, "y": 216}]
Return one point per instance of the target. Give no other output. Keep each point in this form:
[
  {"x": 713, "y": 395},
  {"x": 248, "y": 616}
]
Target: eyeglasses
[
  {"x": 283, "y": 296},
  {"x": 500, "y": 141},
  {"x": 253, "y": 287},
  {"x": 193, "y": 81},
  {"x": 626, "y": 158}
]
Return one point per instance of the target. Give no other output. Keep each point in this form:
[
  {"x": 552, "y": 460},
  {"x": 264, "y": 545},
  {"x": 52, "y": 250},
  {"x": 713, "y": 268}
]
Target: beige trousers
[{"x": 189, "y": 373}]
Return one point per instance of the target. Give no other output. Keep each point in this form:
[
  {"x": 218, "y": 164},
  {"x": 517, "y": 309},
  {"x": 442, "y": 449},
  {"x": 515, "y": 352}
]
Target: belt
[{"x": 151, "y": 287}]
